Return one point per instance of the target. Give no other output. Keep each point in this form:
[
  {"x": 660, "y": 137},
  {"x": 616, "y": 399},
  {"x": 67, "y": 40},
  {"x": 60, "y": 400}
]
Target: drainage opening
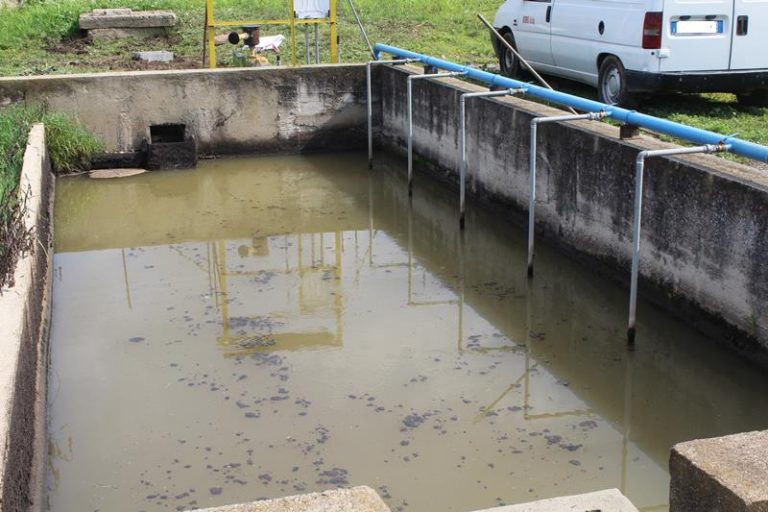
[{"x": 163, "y": 133}]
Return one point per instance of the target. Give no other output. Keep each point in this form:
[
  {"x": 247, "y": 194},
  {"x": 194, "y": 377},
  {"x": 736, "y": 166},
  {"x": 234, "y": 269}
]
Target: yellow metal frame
[{"x": 211, "y": 24}]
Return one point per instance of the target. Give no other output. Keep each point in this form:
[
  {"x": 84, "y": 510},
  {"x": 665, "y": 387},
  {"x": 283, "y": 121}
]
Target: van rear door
[
  {"x": 696, "y": 35},
  {"x": 750, "y": 35}
]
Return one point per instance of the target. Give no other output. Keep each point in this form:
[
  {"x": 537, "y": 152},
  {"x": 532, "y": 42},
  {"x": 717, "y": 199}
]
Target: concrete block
[
  {"x": 602, "y": 501},
  {"x": 126, "y": 18},
  {"x": 357, "y": 499},
  {"x": 154, "y": 56},
  {"x": 724, "y": 474}
]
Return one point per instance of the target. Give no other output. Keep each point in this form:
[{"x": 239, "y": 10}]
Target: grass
[{"x": 70, "y": 147}]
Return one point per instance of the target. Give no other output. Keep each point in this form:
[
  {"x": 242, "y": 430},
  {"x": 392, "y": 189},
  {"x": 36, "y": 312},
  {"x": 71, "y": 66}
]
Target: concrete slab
[
  {"x": 602, "y": 501},
  {"x": 724, "y": 474},
  {"x": 126, "y": 18},
  {"x": 154, "y": 56},
  {"x": 357, "y": 499}
]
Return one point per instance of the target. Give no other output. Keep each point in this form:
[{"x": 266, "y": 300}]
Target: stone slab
[
  {"x": 106, "y": 34},
  {"x": 723, "y": 474},
  {"x": 601, "y": 501},
  {"x": 154, "y": 56},
  {"x": 357, "y": 499},
  {"x": 125, "y": 18}
]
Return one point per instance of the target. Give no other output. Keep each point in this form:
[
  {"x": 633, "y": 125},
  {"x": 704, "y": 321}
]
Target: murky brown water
[{"x": 264, "y": 327}]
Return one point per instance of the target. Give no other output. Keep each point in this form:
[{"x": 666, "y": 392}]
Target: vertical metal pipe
[
  {"x": 463, "y": 163},
  {"x": 317, "y": 44},
  {"x": 306, "y": 44},
  {"x": 637, "y": 221},
  {"x": 410, "y": 135},
  {"x": 636, "y": 225},
  {"x": 463, "y": 156},
  {"x": 592, "y": 116},
  {"x": 532, "y": 196},
  {"x": 368, "y": 85}
]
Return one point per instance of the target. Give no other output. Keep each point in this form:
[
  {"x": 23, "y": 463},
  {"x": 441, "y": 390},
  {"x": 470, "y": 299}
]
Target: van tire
[
  {"x": 757, "y": 98},
  {"x": 612, "y": 84},
  {"x": 508, "y": 61}
]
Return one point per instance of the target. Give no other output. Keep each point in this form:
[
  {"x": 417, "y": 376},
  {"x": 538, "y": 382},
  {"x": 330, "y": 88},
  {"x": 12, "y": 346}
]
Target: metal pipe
[
  {"x": 654, "y": 124},
  {"x": 411, "y": 79},
  {"x": 511, "y": 48},
  {"x": 362, "y": 28},
  {"x": 637, "y": 221},
  {"x": 306, "y": 43},
  {"x": 463, "y": 141},
  {"x": 535, "y": 122},
  {"x": 369, "y": 92},
  {"x": 317, "y": 44}
]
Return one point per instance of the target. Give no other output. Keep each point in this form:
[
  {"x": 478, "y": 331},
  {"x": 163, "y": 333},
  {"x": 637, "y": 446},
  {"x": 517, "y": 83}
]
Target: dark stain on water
[{"x": 312, "y": 328}]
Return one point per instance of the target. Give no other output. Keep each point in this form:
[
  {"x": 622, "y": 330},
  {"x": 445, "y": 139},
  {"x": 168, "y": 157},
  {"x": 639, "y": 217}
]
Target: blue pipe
[{"x": 654, "y": 124}]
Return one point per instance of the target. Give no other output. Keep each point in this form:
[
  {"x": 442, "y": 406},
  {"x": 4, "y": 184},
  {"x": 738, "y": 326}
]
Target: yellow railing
[{"x": 292, "y": 22}]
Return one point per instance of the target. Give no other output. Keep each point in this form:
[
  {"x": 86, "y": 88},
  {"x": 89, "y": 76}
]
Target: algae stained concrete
[
  {"x": 23, "y": 335},
  {"x": 704, "y": 218},
  {"x": 229, "y": 111}
]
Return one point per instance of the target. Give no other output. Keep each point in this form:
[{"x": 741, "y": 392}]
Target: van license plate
[{"x": 697, "y": 27}]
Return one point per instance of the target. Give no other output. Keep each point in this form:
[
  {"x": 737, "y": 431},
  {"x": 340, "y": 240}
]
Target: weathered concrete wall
[
  {"x": 23, "y": 338},
  {"x": 229, "y": 111},
  {"x": 705, "y": 219}
]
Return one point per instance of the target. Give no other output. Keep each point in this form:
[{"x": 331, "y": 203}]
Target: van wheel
[
  {"x": 508, "y": 61},
  {"x": 757, "y": 98},
  {"x": 612, "y": 84}
]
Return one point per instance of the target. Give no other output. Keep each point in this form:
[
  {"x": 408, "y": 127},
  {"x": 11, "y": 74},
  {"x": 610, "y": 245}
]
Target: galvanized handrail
[
  {"x": 368, "y": 89},
  {"x": 535, "y": 122},
  {"x": 411, "y": 79},
  {"x": 637, "y": 221},
  {"x": 654, "y": 124},
  {"x": 463, "y": 140}
]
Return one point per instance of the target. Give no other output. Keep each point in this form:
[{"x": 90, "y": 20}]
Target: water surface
[{"x": 263, "y": 327}]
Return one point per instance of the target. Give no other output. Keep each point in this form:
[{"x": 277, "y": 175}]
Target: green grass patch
[{"x": 71, "y": 148}]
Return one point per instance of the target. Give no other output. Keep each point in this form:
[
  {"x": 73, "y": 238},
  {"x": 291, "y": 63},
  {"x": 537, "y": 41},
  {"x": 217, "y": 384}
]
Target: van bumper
[{"x": 737, "y": 81}]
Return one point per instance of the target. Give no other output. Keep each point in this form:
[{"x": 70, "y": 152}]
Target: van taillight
[{"x": 652, "y": 30}]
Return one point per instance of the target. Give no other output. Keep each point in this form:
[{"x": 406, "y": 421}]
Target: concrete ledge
[
  {"x": 602, "y": 501},
  {"x": 724, "y": 474},
  {"x": 357, "y": 499},
  {"x": 23, "y": 324}
]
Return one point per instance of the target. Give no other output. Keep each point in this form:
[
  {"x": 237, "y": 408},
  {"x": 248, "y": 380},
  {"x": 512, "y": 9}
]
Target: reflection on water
[{"x": 263, "y": 327}]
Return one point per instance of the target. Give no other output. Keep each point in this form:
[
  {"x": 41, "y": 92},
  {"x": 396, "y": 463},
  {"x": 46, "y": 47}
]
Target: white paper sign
[{"x": 312, "y": 9}]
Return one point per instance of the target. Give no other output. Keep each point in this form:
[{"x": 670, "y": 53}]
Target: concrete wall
[
  {"x": 228, "y": 110},
  {"x": 705, "y": 219},
  {"x": 23, "y": 339}
]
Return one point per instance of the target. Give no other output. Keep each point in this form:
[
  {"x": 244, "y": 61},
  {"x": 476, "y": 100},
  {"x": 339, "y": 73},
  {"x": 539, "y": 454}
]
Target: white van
[{"x": 626, "y": 47}]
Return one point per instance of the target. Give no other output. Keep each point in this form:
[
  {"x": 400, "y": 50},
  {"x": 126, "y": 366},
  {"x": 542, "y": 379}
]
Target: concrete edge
[
  {"x": 610, "y": 500},
  {"x": 24, "y": 317},
  {"x": 356, "y": 499},
  {"x": 174, "y": 72}
]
